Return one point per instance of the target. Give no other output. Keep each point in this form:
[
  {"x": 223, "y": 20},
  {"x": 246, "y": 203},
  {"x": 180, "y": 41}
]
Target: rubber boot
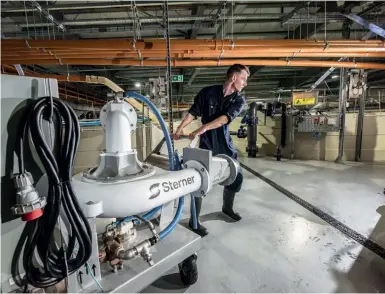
[
  {"x": 228, "y": 202},
  {"x": 201, "y": 230}
]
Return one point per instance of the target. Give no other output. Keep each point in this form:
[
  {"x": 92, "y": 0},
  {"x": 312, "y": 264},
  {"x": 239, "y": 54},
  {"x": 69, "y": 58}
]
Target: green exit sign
[{"x": 177, "y": 79}]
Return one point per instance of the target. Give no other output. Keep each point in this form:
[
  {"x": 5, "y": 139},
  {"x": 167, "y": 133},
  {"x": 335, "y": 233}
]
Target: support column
[
  {"x": 342, "y": 113},
  {"x": 360, "y": 119}
]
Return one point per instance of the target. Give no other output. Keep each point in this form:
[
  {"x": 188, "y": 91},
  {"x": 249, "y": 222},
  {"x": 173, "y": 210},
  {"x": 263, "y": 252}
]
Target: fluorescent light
[
  {"x": 137, "y": 85},
  {"x": 335, "y": 77}
]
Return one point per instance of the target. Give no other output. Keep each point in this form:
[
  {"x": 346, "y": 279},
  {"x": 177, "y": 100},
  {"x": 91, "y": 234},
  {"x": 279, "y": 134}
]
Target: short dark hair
[{"x": 236, "y": 68}]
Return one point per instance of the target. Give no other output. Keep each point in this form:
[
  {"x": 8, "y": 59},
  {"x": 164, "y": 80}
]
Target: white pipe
[
  {"x": 220, "y": 170},
  {"x": 119, "y": 120},
  {"x": 130, "y": 198}
]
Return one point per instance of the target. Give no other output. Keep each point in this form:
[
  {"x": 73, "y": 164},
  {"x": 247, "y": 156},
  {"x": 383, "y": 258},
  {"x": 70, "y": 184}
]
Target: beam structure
[
  {"x": 306, "y": 30},
  {"x": 289, "y": 15},
  {"x": 237, "y": 10},
  {"x": 193, "y": 32},
  {"x": 330, "y": 70},
  {"x": 193, "y": 76},
  {"x": 370, "y": 26}
]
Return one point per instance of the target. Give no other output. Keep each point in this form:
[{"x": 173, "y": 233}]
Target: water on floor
[{"x": 280, "y": 246}]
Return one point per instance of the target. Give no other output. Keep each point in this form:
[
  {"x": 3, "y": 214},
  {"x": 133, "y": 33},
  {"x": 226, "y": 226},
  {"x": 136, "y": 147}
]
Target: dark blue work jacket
[{"x": 210, "y": 104}]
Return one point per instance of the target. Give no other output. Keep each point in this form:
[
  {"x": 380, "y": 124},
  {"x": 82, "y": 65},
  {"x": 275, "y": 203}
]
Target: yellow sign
[
  {"x": 304, "y": 101},
  {"x": 305, "y": 98}
]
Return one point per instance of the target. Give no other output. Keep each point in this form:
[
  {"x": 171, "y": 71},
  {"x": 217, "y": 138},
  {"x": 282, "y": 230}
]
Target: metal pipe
[
  {"x": 15, "y": 57},
  {"x": 209, "y": 63},
  {"x": 360, "y": 119},
  {"x": 252, "y": 121},
  {"x": 89, "y": 6},
  {"x": 342, "y": 112},
  {"x": 200, "y": 44},
  {"x": 318, "y": 17}
]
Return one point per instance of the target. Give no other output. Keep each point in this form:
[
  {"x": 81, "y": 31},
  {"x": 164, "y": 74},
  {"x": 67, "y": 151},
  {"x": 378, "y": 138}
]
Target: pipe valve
[{"x": 28, "y": 202}]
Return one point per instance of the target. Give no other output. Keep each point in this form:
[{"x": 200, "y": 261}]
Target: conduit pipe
[
  {"x": 7, "y": 58},
  {"x": 209, "y": 63},
  {"x": 129, "y": 44}
]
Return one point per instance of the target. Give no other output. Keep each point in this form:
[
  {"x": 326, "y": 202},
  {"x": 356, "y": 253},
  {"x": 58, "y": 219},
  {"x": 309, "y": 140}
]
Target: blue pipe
[
  {"x": 89, "y": 123},
  {"x": 97, "y": 122}
]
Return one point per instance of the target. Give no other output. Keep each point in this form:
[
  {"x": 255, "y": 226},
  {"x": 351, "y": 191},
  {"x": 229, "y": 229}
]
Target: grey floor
[{"x": 279, "y": 246}]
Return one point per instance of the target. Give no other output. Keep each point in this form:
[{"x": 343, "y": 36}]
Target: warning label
[
  {"x": 304, "y": 101},
  {"x": 305, "y": 98}
]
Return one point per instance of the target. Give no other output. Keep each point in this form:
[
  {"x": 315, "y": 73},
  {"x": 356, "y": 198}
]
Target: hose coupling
[{"x": 28, "y": 202}]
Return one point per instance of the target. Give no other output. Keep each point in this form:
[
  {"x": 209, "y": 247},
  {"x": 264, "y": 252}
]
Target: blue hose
[
  {"x": 97, "y": 122},
  {"x": 179, "y": 210},
  {"x": 161, "y": 122},
  {"x": 194, "y": 213}
]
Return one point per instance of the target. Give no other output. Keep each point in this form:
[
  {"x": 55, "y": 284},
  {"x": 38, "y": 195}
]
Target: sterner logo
[
  {"x": 154, "y": 190},
  {"x": 167, "y": 186}
]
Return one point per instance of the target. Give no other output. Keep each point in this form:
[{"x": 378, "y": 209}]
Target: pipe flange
[
  {"x": 234, "y": 169},
  {"x": 206, "y": 184},
  {"x": 119, "y": 106}
]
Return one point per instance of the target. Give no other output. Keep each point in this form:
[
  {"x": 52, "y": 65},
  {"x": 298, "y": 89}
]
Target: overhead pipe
[
  {"x": 311, "y": 18},
  {"x": 209, "y": 63},
  {"x": 9, "y": 58},
  {"x": 196, "y": 44},
  {"x": 181, "y": 18}
]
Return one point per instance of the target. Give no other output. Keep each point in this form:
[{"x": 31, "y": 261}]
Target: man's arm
[
  {"x": 186, "y": 121},
  {"x": 194, "y": 111},
  {"x": 230, "y": 114},
  {"x": 216, "y": 123}
]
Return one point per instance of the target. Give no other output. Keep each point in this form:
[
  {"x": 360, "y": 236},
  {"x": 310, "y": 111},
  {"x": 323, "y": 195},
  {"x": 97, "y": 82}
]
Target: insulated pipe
[
  {"x": 273, "y": 49},
  {"x": 212, "y": 63},
  {"x": 252, "y": 121},
  {"x": 7, "y": 58}
]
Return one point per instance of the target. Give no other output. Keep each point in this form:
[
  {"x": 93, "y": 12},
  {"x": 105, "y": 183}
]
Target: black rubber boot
[
  {"x": 228, "y": 202},
  {"x": 201, "y": 230}
]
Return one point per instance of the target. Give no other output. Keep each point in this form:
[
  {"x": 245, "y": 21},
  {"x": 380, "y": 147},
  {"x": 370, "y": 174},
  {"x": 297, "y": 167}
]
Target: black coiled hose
[{"x": 46, "y": 264}]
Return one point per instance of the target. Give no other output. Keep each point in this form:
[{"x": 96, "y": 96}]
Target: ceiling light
[
  {"x": 137, "y": 85},
  {"x": 335, "y": 77}
]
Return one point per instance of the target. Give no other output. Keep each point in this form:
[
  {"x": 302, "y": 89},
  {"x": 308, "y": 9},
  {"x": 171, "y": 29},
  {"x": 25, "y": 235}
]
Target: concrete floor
[{"x": 279, "y": 246}]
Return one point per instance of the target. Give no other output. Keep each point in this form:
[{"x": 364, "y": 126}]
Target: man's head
[{"x": 237, "y": 74}]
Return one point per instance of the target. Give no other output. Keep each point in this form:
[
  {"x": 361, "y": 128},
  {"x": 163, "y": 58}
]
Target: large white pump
[{"x": 122, "y": 185}]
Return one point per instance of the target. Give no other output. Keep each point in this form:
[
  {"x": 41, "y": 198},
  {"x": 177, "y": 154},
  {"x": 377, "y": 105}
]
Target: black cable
[{"x": 46, "y": 264}]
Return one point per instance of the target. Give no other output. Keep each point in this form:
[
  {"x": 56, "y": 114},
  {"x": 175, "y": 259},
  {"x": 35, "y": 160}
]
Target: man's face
[{"x": 240, "y": 80}]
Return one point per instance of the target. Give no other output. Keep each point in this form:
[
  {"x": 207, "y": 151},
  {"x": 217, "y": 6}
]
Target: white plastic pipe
[
  {"x": 119, "y": 120},
  {"x": 130, "y": 198},
  {"x": 220, "y": 170}
]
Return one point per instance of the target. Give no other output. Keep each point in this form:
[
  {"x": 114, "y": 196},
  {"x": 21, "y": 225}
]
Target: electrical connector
[{"x": 28, "y": 202}]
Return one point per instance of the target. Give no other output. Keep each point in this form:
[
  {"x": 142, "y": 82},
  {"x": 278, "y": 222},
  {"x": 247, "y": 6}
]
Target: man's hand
[
  {"x": 198, "y": 132},
  {"x": 177, "y": 134}
]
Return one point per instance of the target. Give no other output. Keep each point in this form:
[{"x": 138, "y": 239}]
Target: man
[{"x": 218, "y": 106}]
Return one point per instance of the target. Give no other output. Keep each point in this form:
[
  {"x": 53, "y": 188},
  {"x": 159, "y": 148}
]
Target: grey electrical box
[
  {"x": 16, "y": 91},
  {"x": 357, "y": 82}
]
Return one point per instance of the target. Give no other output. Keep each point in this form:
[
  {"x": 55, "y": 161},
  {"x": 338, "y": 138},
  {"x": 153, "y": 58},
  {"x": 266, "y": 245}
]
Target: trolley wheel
[{"x": 188, "y": 270}]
